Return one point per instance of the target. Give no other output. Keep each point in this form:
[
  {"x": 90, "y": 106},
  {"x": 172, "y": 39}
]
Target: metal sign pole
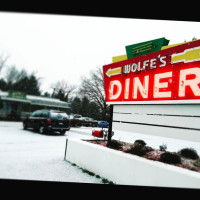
[{"x": 110, "y": 126}]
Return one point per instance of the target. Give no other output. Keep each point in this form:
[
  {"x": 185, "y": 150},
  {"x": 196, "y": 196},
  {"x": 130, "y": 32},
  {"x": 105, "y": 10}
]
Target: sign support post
[{"x": 110, "y": 126}]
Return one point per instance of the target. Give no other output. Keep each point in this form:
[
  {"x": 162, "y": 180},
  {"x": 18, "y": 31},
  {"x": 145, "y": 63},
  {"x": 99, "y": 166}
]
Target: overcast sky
[{"x": 66, "y": 47}]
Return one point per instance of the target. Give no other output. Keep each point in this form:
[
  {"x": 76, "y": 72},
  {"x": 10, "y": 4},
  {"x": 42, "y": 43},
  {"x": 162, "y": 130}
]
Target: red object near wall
[{"x": 97, "y": 133}]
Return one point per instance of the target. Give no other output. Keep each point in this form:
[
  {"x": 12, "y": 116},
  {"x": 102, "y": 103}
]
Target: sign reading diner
[{"x": 171, "y": 74}]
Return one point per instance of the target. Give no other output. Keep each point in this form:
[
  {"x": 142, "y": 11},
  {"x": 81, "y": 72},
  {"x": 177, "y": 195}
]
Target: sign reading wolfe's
[
  {"x": 166, "y": 75},
  {"x": 16, "y": 95}
]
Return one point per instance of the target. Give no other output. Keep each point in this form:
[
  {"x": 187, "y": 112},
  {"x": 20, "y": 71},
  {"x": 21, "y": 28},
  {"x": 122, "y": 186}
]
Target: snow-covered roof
[
  {"x": 37, "y": 100},
  {"x": 3, "y": 94}
]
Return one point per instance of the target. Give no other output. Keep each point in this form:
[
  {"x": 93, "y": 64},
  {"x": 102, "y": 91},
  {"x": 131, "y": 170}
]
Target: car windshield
[{"x": 59, "y": 115}]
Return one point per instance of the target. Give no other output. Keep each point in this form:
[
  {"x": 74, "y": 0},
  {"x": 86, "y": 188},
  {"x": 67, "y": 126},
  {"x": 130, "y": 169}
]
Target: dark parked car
[
  {"x": 46, "y": 121},
  {"x": 87, "y": 121},
  {"x": 75, "y": 120},
  {"x": 103, "y": 124}
]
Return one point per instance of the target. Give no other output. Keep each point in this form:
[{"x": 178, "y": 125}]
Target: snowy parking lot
[{"x": 28, "y": 155}]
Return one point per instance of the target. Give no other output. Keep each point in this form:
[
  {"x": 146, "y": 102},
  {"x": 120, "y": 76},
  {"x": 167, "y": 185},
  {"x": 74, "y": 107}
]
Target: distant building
[{"x": 17, "y": 105}]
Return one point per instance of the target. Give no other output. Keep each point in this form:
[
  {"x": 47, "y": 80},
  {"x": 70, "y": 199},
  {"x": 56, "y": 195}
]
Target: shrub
[
  {"x": 106, "y": 181},
  {"x": 141, "y": 142},
  {"x": 97, "y": 176},
  {"x": 138, "y": 149},
  {"x": 193, "y": 169},
  {"x": 147, "y": 148},
  {"x": 170, "y": 158},
  {"x": 189, "y": 153},
  {"x": 197, "y": 163},
  {"x": 163, "y": 147},
  {"x": 114, "y": 144},
  {"x": 88, "y": 172}
]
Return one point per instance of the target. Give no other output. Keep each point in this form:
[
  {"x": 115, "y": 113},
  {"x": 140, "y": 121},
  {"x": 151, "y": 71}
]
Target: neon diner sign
[{"x": 170, "y": 75}]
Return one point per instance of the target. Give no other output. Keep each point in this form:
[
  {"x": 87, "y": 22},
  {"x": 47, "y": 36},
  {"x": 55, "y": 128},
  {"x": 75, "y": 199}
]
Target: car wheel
[
  {"x": 24, "y": 125},
  {"x": 42, "y": 130}
]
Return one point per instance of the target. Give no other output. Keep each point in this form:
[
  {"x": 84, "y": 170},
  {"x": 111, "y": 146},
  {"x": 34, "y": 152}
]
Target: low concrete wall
[{"x": 126, "y": 169}]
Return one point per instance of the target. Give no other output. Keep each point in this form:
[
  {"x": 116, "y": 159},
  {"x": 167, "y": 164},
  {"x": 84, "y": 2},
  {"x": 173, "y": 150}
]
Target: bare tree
[
  {"x": 22, "y": 74},
  {"x": 3, "y": 60},
  {"x": 11, "y": 74},
  {"x": 93, "y": 88},
  {"x": 62, "y": 90}
]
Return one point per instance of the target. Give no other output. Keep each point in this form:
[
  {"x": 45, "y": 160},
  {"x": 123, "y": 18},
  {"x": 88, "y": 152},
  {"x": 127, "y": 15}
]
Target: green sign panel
[
  {"x": 143, "y": 48},
  {"x": 16, "y": 95}
]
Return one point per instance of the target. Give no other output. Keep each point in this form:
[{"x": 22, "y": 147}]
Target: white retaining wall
[
  {"x": 180, "y": 121},
  {"x": 125, "y": 169}
]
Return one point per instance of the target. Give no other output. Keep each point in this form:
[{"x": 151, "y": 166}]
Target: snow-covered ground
[{"x": 28, "y": 155}]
